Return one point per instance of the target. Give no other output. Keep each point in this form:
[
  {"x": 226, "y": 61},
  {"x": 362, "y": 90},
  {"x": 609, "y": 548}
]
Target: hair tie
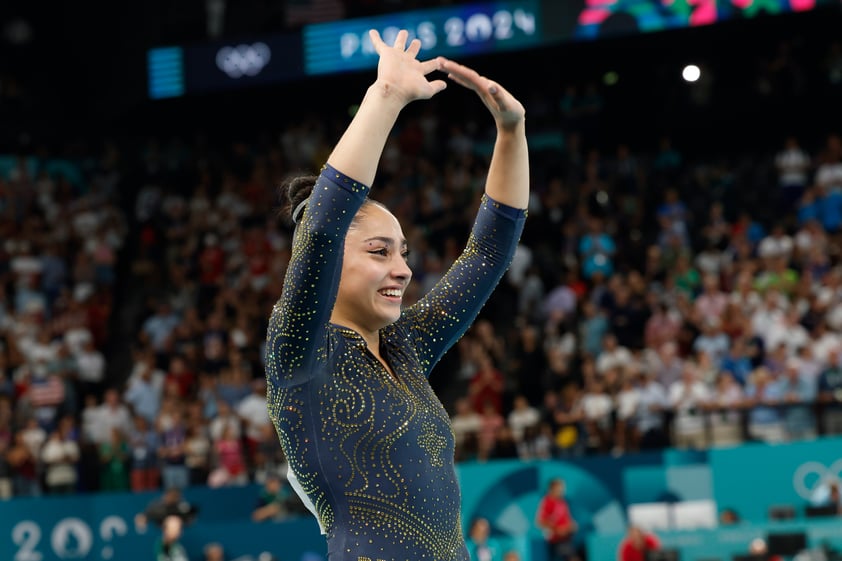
[{"x": 298, "y": 209}]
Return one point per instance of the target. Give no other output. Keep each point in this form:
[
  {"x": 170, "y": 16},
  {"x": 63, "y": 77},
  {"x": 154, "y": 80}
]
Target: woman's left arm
[
  {"x": 441, "y": 317},
  {"x": 508, "y": 173}
]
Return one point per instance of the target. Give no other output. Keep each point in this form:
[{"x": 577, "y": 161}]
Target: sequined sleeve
[
  {"x": 443, "y": 315},
  {"x": 299, "y": 318}
]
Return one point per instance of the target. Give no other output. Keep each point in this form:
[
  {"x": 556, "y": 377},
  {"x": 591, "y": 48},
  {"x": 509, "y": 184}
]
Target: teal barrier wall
[
  {"x": 101, "y": 527},
  {"x": 748, "y": 478},
  {"x": 754, "y": 476}
]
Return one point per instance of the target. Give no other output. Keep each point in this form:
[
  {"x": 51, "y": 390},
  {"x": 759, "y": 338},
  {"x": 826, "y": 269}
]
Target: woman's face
[{"x": 375, "y": 273}]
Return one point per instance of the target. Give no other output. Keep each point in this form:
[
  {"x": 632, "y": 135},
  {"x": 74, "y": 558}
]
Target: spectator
[
  {"x": 465, "y": 421},
  {"x": 170, "y": 503},
  {"x": 144, "y": 467},
  {"x": 725, "y": 410},
  {"x": 111, "y": 414},
  {"x": 114, "y": 457},
  {"x": 254, "y": 414},
  {"x": 145, "y": 386},
  {"x": 487, "y": 384},
  {"x": 158, "y": 327},
  {"x": 763, "y": 393},
  {"x": 636, "y": 544},
  {"x": 597, "y": 250},
  {"x": 60, "y": 456},
  {"x": 597, "y": 411},
  {"x": 481, "y": 545},
  {"x": 792, "y": 164},
  {"x": 230, "y": 465},
  {"x": 829, "y": 389},
  {"x": 23, "y": 465},
  {"x": 197, "y": 452},
  {"x": 213, "y": 552},
  {"x": 90, "y": 369},
  {"x": 626, "y": 405},
  {"x": 799, "y": 395},
  {"x": 649, "y": 429},
  {"x": 522, "y": 416},
  {"x": 168, "y": 547},
  {"x": 687, "y": 398},
  {"x": 172, "y": 452}
]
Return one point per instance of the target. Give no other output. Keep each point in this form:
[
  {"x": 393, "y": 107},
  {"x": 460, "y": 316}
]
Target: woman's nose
[{"x": 401, "y": 269}]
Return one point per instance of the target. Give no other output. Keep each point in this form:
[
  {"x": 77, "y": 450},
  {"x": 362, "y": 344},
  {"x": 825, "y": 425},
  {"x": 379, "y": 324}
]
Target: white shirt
[
  {"x": 108, "y": 418},
  {"x": 218, "y": 425},
  {"x": 627, "y": 402},
  {"x": 91, "y": 366},
  {"x": 60, "y": 457},
  {"x": 773, "y": 246},
  {"x": 617, "y": 357},
  {"x": 252, "y": 409},
  {"x": 520, "y": 419},
  {"x": 684, "y": 399},
  {"x": 597, "y": 406},
  {"x": 465, "y": 424},
  {"x": 792, "y": 164}
]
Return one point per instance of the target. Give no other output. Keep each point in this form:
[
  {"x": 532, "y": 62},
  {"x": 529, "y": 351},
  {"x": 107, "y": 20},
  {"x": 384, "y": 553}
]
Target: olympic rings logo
[
  {"x": 243, "y": 60},
  {"x": 810, "y": 476}
]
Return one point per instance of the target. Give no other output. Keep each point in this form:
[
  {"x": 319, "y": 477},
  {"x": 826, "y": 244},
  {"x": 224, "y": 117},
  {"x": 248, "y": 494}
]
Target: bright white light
[{"x": 691, "y": 73}]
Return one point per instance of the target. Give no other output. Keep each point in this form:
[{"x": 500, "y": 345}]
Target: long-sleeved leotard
[{"x": 373, "y": 454}]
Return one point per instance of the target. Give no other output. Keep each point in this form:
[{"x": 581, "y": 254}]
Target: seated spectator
[
  {"x": 728, "y": 517},
  {"x": 276, "y": 501},
  {"x": 171, "y": 503},
  {"x": 725, "y": 410},
  {"x": 649, "y": 430},
  {"x": 213, "y": 552},
  {"x": 799, "y": 395},
  {"x": 763, "y": 393},
  {"x": 60, "y": 456},
  {"x": 597, "y": 411},
  {"x": 522, "y": 416},
  {"x": 230, "y": 461},
  {"x": 114, "y": 457},
  {"x": 626, "y": 404},
  {"x": 169, "y": 547},
  {"x": 481, "y": 545},
  {"x": 23, "y": 466},
  {"x": 687, "y": 397},
  {"x": 636, "y": 544},
  {"x": 144, "y": 467}
]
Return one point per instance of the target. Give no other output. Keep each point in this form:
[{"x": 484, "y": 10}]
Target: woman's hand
[
  {"x": 507, "y": 111},
  {"x": 400, "y": 71}
]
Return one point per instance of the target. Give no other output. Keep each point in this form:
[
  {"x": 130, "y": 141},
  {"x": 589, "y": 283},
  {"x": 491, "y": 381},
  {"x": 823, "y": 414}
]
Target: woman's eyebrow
[{"x": 386, "y": 240}]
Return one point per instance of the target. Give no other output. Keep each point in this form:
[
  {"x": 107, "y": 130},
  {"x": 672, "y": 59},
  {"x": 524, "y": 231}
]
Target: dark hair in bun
[{"x": 295, "y": 190}]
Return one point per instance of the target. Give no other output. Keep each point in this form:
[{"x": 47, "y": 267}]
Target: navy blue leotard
[{"x": 373, "y": 454}]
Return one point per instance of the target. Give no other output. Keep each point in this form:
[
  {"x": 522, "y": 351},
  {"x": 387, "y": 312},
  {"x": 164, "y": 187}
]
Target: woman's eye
[{"x": 382, "y": 252}]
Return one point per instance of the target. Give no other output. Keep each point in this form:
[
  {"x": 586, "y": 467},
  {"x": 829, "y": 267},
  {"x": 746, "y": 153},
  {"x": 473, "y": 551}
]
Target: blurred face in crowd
[{"x": 375, "y": 272}]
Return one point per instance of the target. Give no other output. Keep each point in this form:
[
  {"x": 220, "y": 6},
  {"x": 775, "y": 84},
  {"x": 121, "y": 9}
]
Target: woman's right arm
[
  {"x": 312, "y": 278},
  {"x": 401, "y": 79},
  {"x": 299, "y": 318}
]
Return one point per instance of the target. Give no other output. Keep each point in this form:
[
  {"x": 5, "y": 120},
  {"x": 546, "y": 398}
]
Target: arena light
[{"x": 691, "y": 73}]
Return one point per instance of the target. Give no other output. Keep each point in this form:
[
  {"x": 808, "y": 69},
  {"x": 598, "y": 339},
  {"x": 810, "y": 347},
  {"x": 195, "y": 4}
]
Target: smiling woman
[
  {"x": 369, "y": 444},
  {"x": 374, "y": 273}
]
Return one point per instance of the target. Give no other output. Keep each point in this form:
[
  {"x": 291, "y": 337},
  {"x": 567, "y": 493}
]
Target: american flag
[
  {"x": 47, "y": 392},
  {"x": 302, "y": 12}
]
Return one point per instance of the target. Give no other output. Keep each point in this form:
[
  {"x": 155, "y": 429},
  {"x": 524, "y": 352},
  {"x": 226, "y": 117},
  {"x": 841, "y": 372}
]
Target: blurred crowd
[{"x": 660, "y": 296}]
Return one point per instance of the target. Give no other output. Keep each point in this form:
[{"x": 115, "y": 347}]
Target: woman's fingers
[
  {"x": 414, "y": 47},
  {"x": 431, "y": 65},
  {"x": 376, "y": 40},
  {"x": 400, "y": 39}
]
